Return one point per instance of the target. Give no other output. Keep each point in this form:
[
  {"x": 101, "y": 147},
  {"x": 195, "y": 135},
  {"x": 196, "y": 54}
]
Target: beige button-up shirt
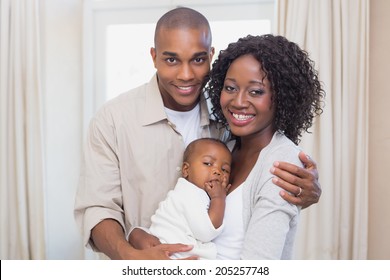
[{"x": 132, "y": 158}]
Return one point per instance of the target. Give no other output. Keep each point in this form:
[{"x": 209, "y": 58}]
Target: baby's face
[{"x": 208, "y": 162}]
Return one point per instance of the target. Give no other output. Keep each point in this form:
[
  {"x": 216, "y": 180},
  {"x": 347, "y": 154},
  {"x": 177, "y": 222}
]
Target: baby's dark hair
[
  {"x": 191, "y": 147},
  {"x": 297, "y": 92}
]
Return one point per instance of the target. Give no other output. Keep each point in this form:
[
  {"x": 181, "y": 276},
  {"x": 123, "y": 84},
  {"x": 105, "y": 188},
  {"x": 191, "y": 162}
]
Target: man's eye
[
  {"x": 171, "y": 60},
  {"x": 199, "y": 60}
]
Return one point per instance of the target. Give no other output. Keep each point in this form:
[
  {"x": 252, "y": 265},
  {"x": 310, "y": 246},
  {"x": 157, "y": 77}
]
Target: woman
[{"x": 266, "y": 90}]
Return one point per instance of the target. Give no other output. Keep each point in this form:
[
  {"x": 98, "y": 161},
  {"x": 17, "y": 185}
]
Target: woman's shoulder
[{"x": 281, "y": 148}]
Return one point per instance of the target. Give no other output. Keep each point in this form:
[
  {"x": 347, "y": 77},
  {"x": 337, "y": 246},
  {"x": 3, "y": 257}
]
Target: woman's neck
[
  {"x": 245, "y": 156},
  {"x": 255, "y": 143}
]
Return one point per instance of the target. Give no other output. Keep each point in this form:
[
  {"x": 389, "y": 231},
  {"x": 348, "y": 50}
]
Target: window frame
[{"x": 98, "y": 14}]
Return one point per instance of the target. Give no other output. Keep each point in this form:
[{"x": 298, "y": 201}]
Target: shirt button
[{"x": 178, "y": 168}]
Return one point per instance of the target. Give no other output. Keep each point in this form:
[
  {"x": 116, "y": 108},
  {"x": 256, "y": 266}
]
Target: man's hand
[
  {"x": 150, "y": 248},
  {"x": 108, "y": 236},
  {"x": 300, "y": 184},
  {"x": 159, "y": 252}
]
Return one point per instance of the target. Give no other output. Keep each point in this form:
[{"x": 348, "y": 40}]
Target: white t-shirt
[
  {"x": 187, "y": 123},
  {"x": 229, "y": 242}
]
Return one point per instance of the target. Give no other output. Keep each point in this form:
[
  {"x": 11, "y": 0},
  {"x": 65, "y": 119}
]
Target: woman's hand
[{"x": 300, "y": 184}]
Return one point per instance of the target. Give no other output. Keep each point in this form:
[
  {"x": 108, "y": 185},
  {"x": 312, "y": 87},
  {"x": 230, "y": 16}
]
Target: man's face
[{"x": 182, "y": 58}]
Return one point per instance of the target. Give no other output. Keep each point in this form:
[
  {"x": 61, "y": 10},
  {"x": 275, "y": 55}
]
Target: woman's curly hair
[{"x": 297, "y": 91}]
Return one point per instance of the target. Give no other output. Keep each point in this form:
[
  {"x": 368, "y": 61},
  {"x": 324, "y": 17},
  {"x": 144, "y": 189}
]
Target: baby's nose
[{"x": 216, "y": 172}]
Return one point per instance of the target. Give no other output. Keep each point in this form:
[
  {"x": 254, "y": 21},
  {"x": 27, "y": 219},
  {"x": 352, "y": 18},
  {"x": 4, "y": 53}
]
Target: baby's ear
[{"x": 184, "y": 169}]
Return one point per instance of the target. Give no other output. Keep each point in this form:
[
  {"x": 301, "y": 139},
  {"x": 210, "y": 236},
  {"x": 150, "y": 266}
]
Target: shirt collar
[
  {"x": 154, "y": 107},
  {"x": 204, "y": 112}
]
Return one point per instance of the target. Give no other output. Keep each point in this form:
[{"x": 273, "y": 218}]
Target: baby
[{"x": 193, "y": 211}]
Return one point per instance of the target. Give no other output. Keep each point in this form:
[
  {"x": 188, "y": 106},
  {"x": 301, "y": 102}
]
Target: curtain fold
[
  {"x": 22, "y": 234},
  {"x": 335, "y": 34}
]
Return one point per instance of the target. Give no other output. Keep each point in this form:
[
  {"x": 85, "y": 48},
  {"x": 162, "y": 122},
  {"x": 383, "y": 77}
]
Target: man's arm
[
  {"x": 108, "y": 236},
  {"x": 296, "y": 180}
]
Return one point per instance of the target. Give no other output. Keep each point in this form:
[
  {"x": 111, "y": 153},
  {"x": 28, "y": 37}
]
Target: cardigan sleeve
[{"x": 271, "y": 221}]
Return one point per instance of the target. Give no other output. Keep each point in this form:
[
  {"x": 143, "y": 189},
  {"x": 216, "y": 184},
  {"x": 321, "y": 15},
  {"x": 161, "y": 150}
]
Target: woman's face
[{"x": 246, "y": 99}]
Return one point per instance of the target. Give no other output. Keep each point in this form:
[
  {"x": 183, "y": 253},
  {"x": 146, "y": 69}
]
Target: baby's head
[{"x": 206, "y": 160}]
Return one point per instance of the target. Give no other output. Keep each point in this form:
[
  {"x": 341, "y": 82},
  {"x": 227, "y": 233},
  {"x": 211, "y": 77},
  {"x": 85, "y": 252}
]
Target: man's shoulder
[
  {"x": 127, "y": 97},
  {"x": 124, "y": 101}
]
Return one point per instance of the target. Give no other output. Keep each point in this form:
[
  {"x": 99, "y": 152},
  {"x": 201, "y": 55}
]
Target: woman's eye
[
  {"x": 257, "y": 92},
  {"x": 228, "y": 88}
]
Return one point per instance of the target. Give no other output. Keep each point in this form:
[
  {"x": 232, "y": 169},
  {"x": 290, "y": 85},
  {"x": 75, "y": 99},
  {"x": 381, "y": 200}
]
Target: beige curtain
[
  {"x": 21, "y": 165},
  {"x": 335, "y": 33}
]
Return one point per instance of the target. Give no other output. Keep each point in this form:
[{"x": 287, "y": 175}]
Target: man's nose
[{"x": 185, "y": 72}]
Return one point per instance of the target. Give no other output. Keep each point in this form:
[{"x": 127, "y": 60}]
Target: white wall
[{"x": 61, "y": 44}]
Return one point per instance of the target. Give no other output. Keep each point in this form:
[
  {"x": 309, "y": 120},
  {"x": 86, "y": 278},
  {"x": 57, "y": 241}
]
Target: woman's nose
[{"x": 240, "y": 100}]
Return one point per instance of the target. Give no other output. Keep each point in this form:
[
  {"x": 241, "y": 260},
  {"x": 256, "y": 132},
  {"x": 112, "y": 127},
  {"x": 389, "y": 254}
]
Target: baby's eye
[
  {"x": 207, "y": 163},
  {"x": 226, "y": 170}
]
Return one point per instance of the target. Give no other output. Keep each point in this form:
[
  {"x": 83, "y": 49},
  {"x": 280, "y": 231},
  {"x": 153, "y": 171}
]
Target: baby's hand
[
  {"x": 217, "y": 189},
  {"x": 225, "y": 184}
]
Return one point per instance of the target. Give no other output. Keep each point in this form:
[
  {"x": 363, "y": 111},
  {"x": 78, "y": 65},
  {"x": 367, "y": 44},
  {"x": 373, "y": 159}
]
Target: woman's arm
[
  {"x": 270, "y": 221},
  {"x": 271, "y": 226}
]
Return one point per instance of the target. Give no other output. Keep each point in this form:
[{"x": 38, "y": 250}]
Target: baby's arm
[{"x": 217, "y": 193}]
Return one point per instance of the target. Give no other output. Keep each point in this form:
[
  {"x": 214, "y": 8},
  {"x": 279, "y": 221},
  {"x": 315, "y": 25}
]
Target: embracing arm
[
  {"x": 109, "y": 238},
  {"x": 99, "y": 204},
  {"x": 291, "y": 178}
]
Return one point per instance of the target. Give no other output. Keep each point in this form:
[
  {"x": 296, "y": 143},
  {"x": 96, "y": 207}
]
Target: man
[{"x": 135, "y": 143}]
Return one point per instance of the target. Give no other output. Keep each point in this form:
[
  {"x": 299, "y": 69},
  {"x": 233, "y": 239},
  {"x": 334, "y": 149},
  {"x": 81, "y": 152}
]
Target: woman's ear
[{"x": 184, "y": 169}]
